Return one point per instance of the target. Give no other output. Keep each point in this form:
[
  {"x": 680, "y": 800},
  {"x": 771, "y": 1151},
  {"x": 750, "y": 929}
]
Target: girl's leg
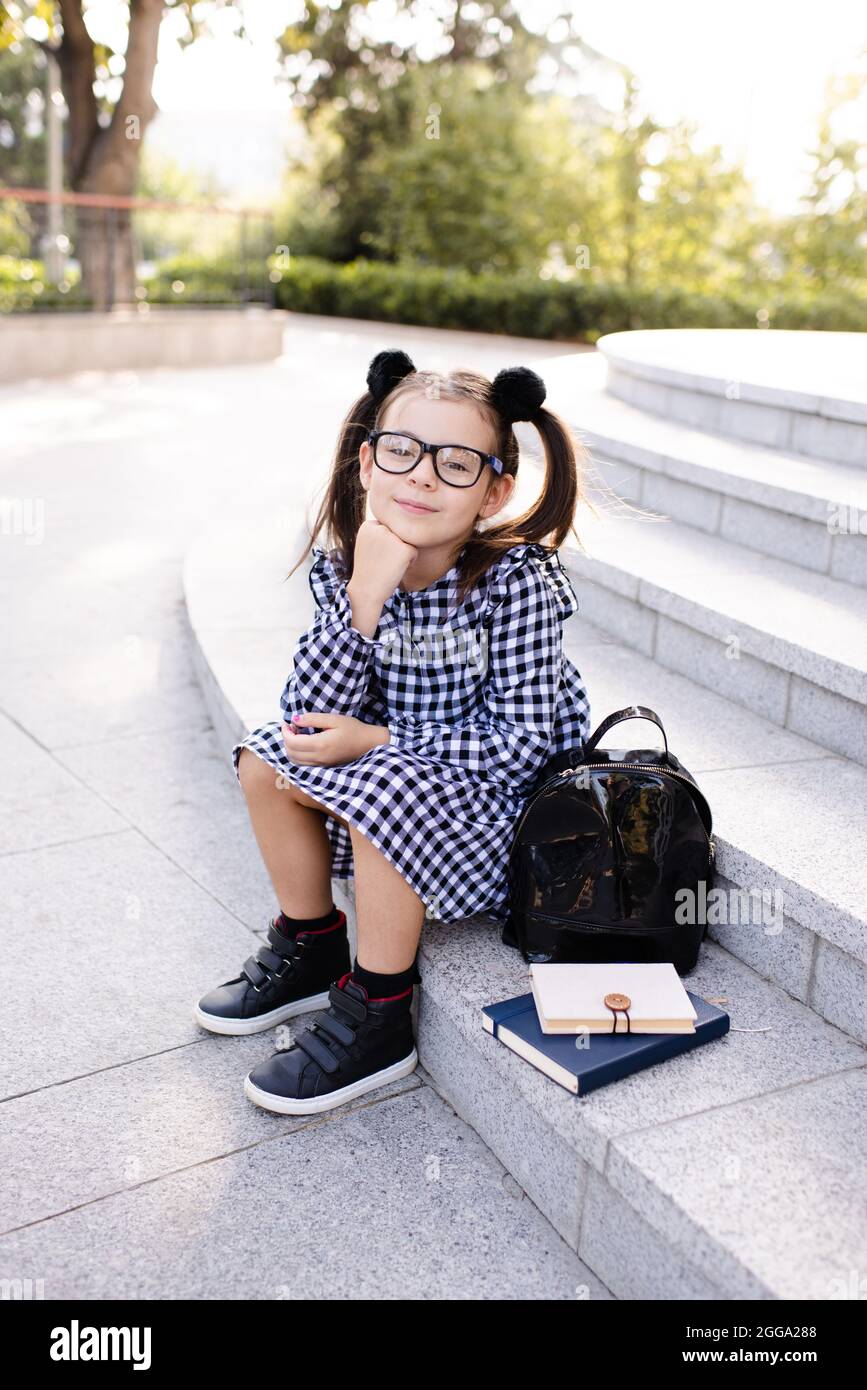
[
  {"x": 290, "y": 831},
  {"x": 292, "y": 839},
  {"x": 389, "y": 913}
]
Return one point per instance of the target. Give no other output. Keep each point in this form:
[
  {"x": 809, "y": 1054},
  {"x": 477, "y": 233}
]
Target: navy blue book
[{"x": 605, "y": 1057}]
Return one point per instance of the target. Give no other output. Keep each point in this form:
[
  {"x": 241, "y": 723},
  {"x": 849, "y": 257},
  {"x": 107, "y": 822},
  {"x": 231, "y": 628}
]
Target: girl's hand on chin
[
  {"x": 381, "y": 559},
  {"x": 340, "y": 738}
]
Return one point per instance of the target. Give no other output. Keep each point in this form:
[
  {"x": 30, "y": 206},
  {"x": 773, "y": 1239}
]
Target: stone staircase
[{"x": 734, "y": 1172}]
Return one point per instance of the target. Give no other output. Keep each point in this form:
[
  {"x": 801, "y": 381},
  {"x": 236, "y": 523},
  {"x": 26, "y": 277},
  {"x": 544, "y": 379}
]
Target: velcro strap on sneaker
[
  {"x": 272, "y": 960},
  {"x": 316, "y": 1048},
  {"x": 337, "y": 1028},
  {"x": 253, "y": 971},
  {"x": 355, "y": 1007},
  {"x": 284, "y": 945}
]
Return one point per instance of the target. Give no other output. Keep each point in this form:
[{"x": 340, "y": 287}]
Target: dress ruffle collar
[
  {"x": 326, "y": 583},
  {"x": 550, "y": 565}
]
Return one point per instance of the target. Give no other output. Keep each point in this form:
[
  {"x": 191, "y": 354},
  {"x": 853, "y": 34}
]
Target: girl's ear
[
  {"x": 365, "y": 464},
  {"x": 498, "y": 494}
]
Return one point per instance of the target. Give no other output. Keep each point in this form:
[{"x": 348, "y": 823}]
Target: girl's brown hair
[{"x": 548, "y": 522}]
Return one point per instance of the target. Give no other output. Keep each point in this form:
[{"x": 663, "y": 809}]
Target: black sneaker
[
  {"x": 288, "y": 977},
  {"x": 357, "y": 1045}
]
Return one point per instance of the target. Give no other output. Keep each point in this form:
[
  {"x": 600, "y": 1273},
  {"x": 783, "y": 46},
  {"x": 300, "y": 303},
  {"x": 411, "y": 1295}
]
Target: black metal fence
[{"x": 89, "y": 251}]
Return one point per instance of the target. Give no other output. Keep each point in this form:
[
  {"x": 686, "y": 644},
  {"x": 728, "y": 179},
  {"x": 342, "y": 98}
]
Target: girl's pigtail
[
  {"x": 343, "y": 507},
  {"x": 551, "y": 519}
]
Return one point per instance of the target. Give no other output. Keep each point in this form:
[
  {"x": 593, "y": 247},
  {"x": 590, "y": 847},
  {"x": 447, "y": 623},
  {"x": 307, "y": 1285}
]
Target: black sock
[
  {"x": 289, "y": 926},
  {"x": 385, "y": 986}
]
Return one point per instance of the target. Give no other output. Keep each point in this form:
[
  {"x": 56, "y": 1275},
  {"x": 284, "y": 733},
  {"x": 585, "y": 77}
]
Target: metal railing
[{"x": 95, "y": 251}]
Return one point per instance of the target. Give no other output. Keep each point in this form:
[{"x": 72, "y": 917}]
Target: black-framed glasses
[{"x": 456, "y": 464}]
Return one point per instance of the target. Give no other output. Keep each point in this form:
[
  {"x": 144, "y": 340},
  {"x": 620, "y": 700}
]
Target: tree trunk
[
  {"x": 105, "y": 159},
  {"x": 106, "y": 253}
]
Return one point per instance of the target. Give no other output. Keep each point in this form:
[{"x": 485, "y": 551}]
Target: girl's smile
[{"x": 419, "y": 508}]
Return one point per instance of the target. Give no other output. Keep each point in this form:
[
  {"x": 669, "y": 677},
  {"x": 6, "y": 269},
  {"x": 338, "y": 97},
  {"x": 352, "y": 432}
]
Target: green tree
[
  {"x": 446, "y": 153},
  {"x": 665, "y": 211},
  {"x": 825, "y": 246},
  {"x": 453, "y": 168},
  {"x": 332, "y": 55},
  {"x": 22, "y": 120}
]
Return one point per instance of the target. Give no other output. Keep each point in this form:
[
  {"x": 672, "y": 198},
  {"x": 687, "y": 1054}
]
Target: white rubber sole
[
  {"x": 286, "y": 1105},
  {"x": 236, "y": 1027}
]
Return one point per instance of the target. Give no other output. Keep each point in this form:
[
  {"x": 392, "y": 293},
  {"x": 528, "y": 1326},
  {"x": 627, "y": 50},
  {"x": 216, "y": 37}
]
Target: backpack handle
[{"x": 631, "y": 712}]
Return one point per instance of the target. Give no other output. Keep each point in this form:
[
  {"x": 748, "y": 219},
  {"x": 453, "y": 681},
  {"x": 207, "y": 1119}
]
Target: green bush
[
  {"x": 520, "y": 305},
  {"x": 208, "y": 281},
  {"x": 23, "y": 286},
  {"x": 526, "y": 306}
]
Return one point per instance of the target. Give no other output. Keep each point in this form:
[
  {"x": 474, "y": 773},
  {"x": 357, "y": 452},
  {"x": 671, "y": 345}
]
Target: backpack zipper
[
  {"x": 651, "y": 767},
  {"x": 601, "y": 926}
]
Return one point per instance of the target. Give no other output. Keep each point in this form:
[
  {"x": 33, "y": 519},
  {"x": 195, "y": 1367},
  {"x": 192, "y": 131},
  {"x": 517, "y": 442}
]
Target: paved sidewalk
[{"x": 133, "y": 1164}]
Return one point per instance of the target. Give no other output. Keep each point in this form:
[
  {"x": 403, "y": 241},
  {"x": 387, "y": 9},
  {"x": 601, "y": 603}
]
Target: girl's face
[{"x": 451, "y": 511}]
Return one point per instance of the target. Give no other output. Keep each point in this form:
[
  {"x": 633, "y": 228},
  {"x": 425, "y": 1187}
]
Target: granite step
[
  {"x": 810, "y": 512},
  {"x": 801, "y": 392},
  {"x": 772, "y": 637},
  {"x": 732, "y": 1172}
]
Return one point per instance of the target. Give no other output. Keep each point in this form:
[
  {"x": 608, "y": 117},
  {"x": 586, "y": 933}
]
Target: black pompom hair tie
[
  {"x": 386, "y": 369},
  {"x": 516, "y": 392}
]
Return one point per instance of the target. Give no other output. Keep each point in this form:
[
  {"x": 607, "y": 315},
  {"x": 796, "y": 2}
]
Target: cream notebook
[{"x": 570, "y": 998}]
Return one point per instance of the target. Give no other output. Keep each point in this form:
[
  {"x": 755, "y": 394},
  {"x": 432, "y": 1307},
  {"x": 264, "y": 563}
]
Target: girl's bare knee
[{"x": 254, "y": 772}]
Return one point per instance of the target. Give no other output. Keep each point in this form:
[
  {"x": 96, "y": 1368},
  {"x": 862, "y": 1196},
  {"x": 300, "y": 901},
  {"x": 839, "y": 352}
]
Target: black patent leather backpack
[{"x": 612, "y": 857}]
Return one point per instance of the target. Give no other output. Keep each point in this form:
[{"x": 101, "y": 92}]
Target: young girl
[{"x": 426, "y": 698}]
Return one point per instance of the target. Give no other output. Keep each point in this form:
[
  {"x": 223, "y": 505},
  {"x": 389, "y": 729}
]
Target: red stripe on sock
[
  {"x": 381, "y": 998},
  {"x": 320, "y": 931}
]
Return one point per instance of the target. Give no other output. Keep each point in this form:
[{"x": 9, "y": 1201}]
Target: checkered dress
[{"x": 477, "y": 698}]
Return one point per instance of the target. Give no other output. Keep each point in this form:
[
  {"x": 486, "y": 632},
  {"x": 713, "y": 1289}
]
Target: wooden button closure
[{"x": 617, "y": 1001}]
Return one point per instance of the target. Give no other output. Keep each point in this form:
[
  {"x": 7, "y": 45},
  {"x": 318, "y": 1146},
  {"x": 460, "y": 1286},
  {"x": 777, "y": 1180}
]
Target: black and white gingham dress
[{"x": 476, "y": 697}]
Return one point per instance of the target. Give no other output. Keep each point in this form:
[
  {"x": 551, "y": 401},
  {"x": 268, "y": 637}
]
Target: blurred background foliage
[{"x": 482, "y": 169}]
